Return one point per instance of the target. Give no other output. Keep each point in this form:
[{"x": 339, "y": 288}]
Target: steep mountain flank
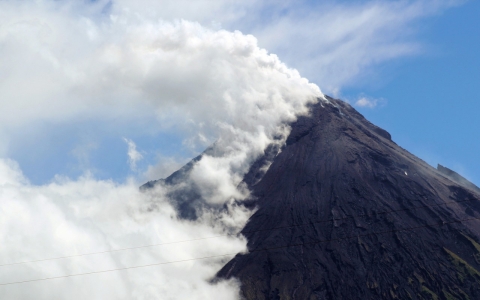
[
  {"x": 343, "y": 212},
  {"x": 357, "y": 217}
]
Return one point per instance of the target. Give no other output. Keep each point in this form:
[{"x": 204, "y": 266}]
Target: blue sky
[
  {"x": 420, "y": 64},
  {"x": 432, "y": 100}
]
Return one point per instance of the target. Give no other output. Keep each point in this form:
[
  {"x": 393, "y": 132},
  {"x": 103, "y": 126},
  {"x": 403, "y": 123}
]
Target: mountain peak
[{"x": 345, "y": 213}]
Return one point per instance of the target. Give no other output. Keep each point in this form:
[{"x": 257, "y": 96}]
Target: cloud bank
[
  {"x": 213, "y": 85},
  {"x": 83, "y": 216},
  {"x": 68, "y": 63}
]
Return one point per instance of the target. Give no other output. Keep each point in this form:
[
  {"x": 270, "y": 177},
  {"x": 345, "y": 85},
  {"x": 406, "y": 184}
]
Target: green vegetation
[
  {"x": 462, "y": 266},
  {"x": 476, "y": 245},
  {"x": 427, "y": 292},
  {"x": 419, "y": 278},
  {"x": 448, "y": 295}
]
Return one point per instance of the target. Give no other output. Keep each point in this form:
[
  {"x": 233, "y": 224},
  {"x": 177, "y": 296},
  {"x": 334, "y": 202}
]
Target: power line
[
  {"x": 229, "y": 234},
  {"x": 113, "y": 270},
  {"x": 252, "y": 251},
  {"x": 110, "y": 251}
]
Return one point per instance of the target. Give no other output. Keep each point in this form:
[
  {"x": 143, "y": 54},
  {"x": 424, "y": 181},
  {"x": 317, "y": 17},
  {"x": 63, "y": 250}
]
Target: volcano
[{"x": 343, "y": 212}]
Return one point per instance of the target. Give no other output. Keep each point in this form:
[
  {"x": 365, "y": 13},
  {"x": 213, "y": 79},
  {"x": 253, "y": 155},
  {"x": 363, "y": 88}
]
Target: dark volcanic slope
[{"x": 337, "y": 165}]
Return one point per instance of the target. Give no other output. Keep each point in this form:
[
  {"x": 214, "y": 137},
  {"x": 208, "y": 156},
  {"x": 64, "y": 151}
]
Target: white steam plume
[
  {"x": 74, "y": 217},
  {"x": 335, "y": 43},
  {"x": 213, "y": 84},
  {"x": 81, "y": 64}
]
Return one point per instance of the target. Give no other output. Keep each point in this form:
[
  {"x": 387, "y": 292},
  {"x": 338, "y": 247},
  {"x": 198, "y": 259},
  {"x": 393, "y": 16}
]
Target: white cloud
[
  {"x": 67, "y": 64},
  {"x": 369, "y": 102},
  {"x": 334, "y": 44},
  {"x": 78, "y": 66},
  {"x": 87, "y": 215},
  {"x": 133, "y": 155},
  {"x": 80, "y": 63},
  {"x": 337, "y": 45},
  {"x": 163, "y": 167},
  {"x": 364, "y": 102},
  {"x": 215, "y": 85},
  {"x": 126, "y": 62},
  {"x": 82, "y": 154}
]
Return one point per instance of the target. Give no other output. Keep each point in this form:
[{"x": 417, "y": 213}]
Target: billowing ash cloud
[{"x": 72, "y": 63}]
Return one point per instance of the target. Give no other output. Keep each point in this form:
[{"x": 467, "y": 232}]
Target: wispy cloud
[
  {"x": 163, "y": 167},
  {"x": 367, "y": 102},
  {"x": 335, "y": 44},
  {"x": 82, "y": 153},
  {"x": 133, "y": 155}
]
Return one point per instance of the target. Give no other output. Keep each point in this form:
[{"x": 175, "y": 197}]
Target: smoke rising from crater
[{"x": 64, "y": 63}]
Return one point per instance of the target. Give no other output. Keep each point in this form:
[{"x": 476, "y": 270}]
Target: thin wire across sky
[{"x": 232, "y": 254}]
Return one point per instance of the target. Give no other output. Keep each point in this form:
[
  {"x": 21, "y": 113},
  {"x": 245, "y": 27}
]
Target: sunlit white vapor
[
  {"x": 74, "y": 217},
  {"x": 213, "y": 86}
]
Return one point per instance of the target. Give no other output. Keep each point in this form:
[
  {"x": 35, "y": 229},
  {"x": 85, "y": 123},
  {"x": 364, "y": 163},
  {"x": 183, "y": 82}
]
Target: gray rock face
[{"x": 357, "y": 217}]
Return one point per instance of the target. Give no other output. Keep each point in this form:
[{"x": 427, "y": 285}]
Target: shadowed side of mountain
[{"x": 345, "y": 213}]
